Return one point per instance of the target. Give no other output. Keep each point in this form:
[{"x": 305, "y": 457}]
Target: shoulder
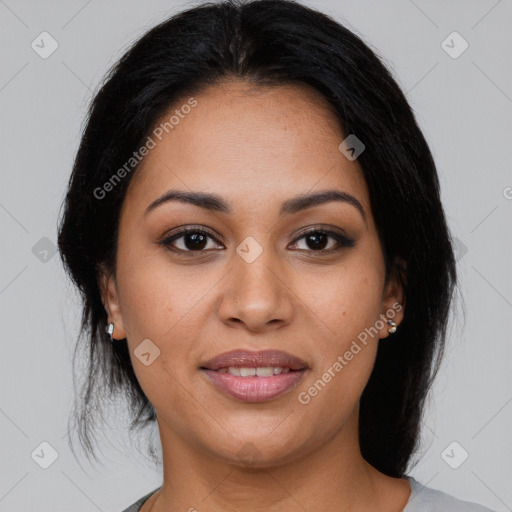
[
  {"x": 134, "y": 507},
  {"x": 425, "y": 499}
]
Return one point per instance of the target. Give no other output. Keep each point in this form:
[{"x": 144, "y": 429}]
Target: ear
[
  {"x": 110, "y": 298},
  {"x": 393, "y": 298}
]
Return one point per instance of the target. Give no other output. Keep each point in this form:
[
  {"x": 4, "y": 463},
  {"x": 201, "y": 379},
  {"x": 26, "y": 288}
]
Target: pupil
[
  {"x": 319, "y": 240},
  {"x": 198, "y": 241}
]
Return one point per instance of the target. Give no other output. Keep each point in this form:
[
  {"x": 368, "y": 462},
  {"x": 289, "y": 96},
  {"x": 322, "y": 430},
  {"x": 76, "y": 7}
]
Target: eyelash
[{"x": 342, "y": 240}]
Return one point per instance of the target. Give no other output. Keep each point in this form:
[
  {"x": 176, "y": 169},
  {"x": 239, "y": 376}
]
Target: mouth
[
  {"x": 254, "y": 376},
  {"x": 248, "y": 360}
]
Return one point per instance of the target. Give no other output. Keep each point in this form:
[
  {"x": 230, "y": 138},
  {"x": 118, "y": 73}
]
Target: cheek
[
  {"x": 344, "y": 300},
  {"x": 158, "y": 305},
  {"x": 343, "y": 309},
  {"x": 146, "y": 300},
  {"x": 167, "y": 305},
  {"x": 157, "y": 298},
  {"x": 344, "y": 361}
]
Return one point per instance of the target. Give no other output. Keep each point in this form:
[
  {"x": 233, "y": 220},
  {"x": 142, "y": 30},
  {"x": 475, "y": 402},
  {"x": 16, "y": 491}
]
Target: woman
[{"x": 254, "y": 219}]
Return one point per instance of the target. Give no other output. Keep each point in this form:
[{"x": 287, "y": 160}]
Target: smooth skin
[{"x": 256, "y": 147}]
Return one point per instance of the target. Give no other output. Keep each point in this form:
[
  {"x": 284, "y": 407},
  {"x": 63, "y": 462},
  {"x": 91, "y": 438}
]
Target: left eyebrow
[
  {"x": 325, "y": 196},
  {"x": 215, "y": 203}
]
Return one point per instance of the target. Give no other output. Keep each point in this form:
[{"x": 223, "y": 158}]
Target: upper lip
[{"x": 250, "y": 359}]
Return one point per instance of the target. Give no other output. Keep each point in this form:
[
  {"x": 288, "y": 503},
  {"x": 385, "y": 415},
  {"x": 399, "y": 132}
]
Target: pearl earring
[
  {"x": 390, "y": 322},
  {"x": 110, "y": 330}
]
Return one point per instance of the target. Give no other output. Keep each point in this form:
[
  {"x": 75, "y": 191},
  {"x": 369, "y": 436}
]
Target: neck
[{"x": 322, "y": 475}]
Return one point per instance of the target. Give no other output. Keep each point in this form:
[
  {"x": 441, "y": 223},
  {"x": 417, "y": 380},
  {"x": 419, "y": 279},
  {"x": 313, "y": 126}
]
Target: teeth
[{"x": 267, "y": 371}]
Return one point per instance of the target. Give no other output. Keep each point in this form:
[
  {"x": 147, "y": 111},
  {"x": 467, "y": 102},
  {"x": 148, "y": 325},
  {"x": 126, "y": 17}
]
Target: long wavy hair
[{"x": 268, "y": 42}]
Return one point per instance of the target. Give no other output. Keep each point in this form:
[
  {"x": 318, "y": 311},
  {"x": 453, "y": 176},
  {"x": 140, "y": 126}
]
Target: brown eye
[
  {"x": 190, "y": 240},
  {"x": 318, "y": 240},
  {"x": 194, "y": 240}
]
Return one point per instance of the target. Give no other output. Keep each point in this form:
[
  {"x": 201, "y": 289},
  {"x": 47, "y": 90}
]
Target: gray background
[{"x": 463, "y": 105}]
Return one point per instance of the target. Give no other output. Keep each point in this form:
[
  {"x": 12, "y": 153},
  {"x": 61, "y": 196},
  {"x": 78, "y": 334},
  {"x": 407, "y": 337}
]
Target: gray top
[
  {"x": 425, "y": 499},
  {"x": 422, "y": 499}
]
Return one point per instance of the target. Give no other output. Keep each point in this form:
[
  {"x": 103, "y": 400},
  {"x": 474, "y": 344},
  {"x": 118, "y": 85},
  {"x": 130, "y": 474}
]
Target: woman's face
[{"x": 253, "y": 281}]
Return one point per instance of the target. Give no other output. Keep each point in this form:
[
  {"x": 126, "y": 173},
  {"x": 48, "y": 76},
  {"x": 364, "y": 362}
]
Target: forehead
[{"x": 250, "y": 144}]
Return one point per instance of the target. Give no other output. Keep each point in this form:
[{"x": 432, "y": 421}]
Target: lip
[
  {"x": 255, "y": 389},
  {"x": 251, "y": 359}
]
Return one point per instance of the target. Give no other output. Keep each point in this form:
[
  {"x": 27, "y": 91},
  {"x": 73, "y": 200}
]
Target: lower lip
[{"x": 254, "y": 389}]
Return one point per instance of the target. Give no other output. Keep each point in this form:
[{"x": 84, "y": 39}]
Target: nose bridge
[
  {"x": 254, "y": 266},
  {"x": 256, "y": 295}
]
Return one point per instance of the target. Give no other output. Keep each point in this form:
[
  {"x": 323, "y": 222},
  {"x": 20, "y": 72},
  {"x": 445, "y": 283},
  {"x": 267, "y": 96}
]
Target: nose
[{"x": 256, "y": 295}]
